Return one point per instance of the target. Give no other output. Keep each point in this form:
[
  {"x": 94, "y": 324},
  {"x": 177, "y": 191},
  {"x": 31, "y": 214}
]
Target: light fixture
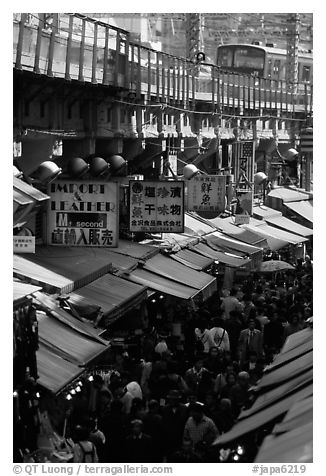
[
  {"x": 291, "y": 154},
  {"x": 78, "y": 389},
  {"x": 38, "y": 395},
  {"x": 91, "y": 378},
  {"x": 200, "y": 57},
  {"x": 73, "y": 391},
  {"x": 15, "y": 394},
  {"x": 259, "y": 178},
  {"x": 98, "y": 166},
  {"x": 77, "y": 167},
  {"x": 46, "y": 172},
  {"x": 190, "y": 171},
  {"x": 68, "y": 397},
  {"x": 117, "y": 163}
]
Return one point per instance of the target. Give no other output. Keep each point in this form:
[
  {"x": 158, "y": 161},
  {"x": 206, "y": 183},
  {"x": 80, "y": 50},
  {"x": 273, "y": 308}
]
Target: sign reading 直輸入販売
[
  {"x": 156, "y": 206},
  {"x": 207, "y": 193},
  {"x": 83, "y": 213}
]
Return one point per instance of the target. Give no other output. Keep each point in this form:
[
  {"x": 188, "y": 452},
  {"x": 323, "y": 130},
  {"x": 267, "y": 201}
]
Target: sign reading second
[
  {"x": 156, "y": 206},
  {"x": 83, "y": 213}
]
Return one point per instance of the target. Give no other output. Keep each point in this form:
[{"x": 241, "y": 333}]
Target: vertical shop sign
[
  {"x": 83, "y": 213},
  {"x": 207, "y": 193},
  {"x": 157, "y": 206}
]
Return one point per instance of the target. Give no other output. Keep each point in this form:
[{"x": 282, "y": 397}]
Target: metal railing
[{"x": 76, "y": 47}]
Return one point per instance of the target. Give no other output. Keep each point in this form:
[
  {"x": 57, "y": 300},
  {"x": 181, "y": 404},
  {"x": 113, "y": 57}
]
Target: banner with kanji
[
  {"x": 83, "y": 213},
  {"x": 157, "y": 206},
  {"x": 207, "y": 193}
]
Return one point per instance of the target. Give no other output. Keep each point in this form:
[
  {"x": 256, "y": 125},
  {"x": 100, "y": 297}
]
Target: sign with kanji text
[
  {"x": 83, "y": 213},
  {"x": 207, "y": 193},
  {"x": 157, "y": 206},
  {"x": 24, "y": 244},
  {"x": 241, "y": 219}
]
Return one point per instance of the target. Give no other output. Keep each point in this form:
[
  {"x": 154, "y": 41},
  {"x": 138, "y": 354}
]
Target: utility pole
[
  {"x": 194, "y": 35},
  {"x": 293, "y": 36}
]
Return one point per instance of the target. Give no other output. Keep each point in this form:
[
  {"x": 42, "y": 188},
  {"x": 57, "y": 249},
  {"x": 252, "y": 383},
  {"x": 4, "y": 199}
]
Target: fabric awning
[
  {"x": 287, "y": 371},
  {"x": 290, "y": 225},
  {"x": 303, "y": 208},
  {"x": 196, "y": 226},
  {"x": 227, "y": 259},
  {"x": 288, "y": 194},
  {"x": 164, "y": 285},
  {"x": 296, "y": 339},
  {"x": 80, "y": 266},
  {"x": 224, "y": 242},
  {"x": 262, "y": 212},
  {"x": 47, "y": 279},
  {"x": 262, "y": 227},
  {"x": 21, "y": 290},
  {"x": 300, "y": 414},
  {"x": 51, "y": 305},
  {"x": 25, "y": 193},
  {"x": 262, "y": 417},
  {"x": 285, "y": 357},
  {"x": 295, "y": 446},
  {"x": 227, "y": 226},
  {"x": 274, "y": 243},
  {"x": 66, "y": 342},
  {"x": 192, "y": 260},
  {"x": 114, "y": 295},
  {"x": 270, "y": 397},
  {"x": 54, "y": 371},
  {"x": 168, "y": 268},
  {"x": 135, "y": 250}
]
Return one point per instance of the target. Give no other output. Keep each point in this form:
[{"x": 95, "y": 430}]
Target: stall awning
[
  {"x": 168, "y": 268},
  {"x": 303, "y": 208},
  {"x": 224, "y": 242},
  {"x": 21, "y": 290},
  {"x": 80, "y": 266},
  {"x": 296, "y": 339},
  {"x": 25, "y": 193},
  {"x": 66, "y": 342},
  {"x": 262, "y": 227},
  {"x": 264, "y": 416},
  {"x": 196, "y": 226},
  {"x": 54, "y": 371},
  {"x": 135, "y": 250},
  {"x": 51, "y": 305},
  {"x": 288, "y": 194},
  {"x": 278, "y": 393},
  {"x": 285, "y": 357},
  {"x": 299, "y": 414},
  {"x": 192, "y": 260},
  {"x": 286, "y": 371},
  {"x": 227, "y": 226},
  {"x": 164, "y": 285},
  {"x": 227, "y": 259},
  {"x": 114, "y": 295},
  {"x": 290, "y": 225},
  {"x": 295, "y": 446},
  {"x": 262, "y": 212},
  {"x": 47, "y": 279}
]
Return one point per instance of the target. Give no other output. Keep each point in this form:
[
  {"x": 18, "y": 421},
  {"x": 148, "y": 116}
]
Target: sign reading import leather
[{"x": 83, "y": 213}]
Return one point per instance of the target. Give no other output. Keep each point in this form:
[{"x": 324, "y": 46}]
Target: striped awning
[{"x": 192, "y": 260}]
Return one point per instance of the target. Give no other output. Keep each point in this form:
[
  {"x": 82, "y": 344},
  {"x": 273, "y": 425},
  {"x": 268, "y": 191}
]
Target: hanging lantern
[
  {"x": 189, "y": 171},
  {"x": 98, "y": 166},
  {"x": 77, "y": 167},
  {"x": 47, "y": 172},
  {"x": 117, "y": 163}
]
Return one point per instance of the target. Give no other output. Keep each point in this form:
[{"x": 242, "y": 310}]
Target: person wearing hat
[{"x": 174, "y": 416}]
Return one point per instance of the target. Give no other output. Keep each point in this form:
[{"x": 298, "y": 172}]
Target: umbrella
[{"x": 274, "y": 266}]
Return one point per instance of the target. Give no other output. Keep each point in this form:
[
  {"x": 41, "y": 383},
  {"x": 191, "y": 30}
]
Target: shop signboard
[
  {"x": 83, "y": 213},
  {"x": 241, "y": 219},
  {"x": 24, "y": 244},
  {"x": 207, "y": 193},
  {"x": 157, "y": 206}
]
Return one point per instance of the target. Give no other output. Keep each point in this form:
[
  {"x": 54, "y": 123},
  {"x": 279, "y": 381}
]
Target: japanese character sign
[
  {"x": 83, "y": 213},
  {"x": 24, "y": 244},
  {"x": 157, "y": 206},
  {"x": 207, "y": 193}
]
